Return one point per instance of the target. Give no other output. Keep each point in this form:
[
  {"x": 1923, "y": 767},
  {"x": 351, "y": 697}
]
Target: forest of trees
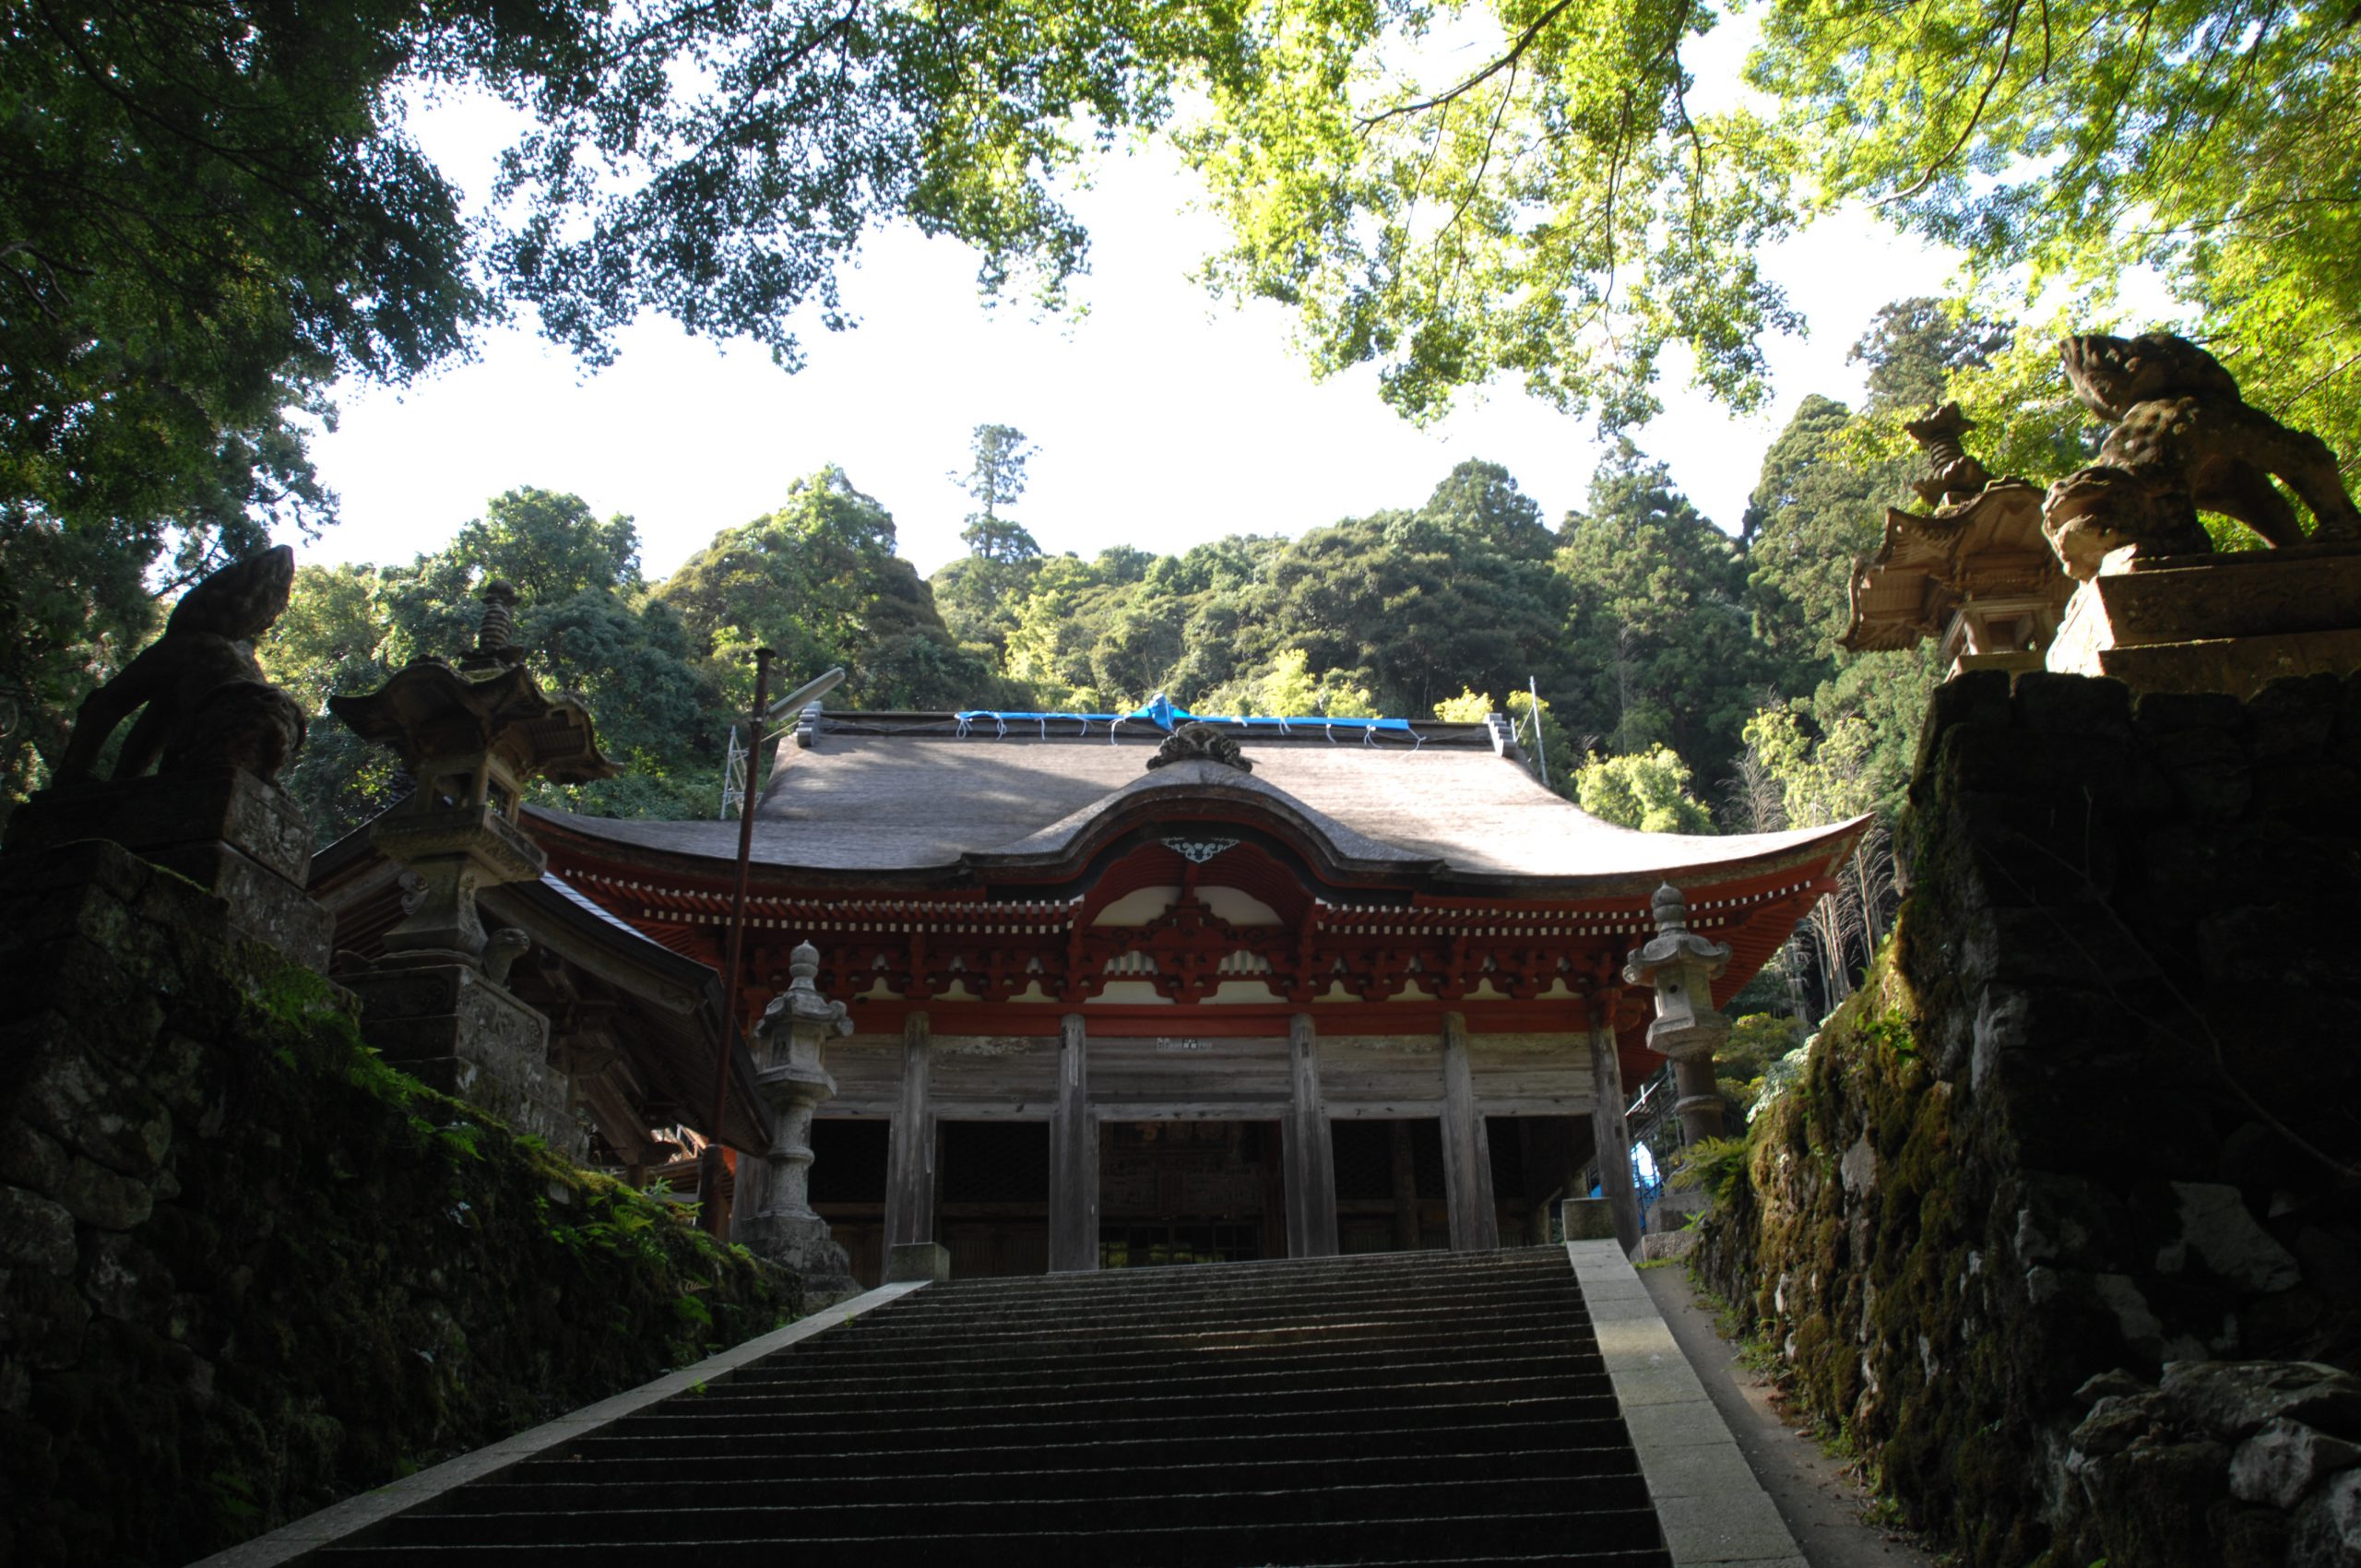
[{"x": 1689, "y": 675}]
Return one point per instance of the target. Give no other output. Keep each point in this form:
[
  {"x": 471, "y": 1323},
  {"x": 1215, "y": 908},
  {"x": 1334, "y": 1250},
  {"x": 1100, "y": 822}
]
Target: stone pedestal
[
  {"x": 802, "y": 1244},
  {"x": 917, "y": 1260},
  {"x": 455, "y": 852},
  {"x": 234, "y": 835},
  {"x": 453, "y": 1029},
  {"x": 1587, "y": 1219},
  {"x": 2230, "y": 624}
]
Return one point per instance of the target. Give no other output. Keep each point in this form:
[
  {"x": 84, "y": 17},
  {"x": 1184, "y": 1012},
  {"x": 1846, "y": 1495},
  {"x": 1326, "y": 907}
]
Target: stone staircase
[{"x": 1407, "y": 1408}]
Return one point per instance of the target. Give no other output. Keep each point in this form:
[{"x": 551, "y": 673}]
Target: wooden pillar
[
  {"x": 909, "y": 1155},
  {"x": 1309, "y": 1149},
  {"x": 1406, "y": 1187},
  {"x": 1610, "y": 1132},
  {"x": 1074, "y": 1157},
  {"x": 1466, "y": 1153}
]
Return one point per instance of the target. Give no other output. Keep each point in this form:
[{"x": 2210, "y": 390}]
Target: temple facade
[{"x": 1135, "y": 989}]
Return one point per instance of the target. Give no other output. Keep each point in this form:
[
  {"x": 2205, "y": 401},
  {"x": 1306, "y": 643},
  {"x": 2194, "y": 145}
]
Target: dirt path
[{"x": 1821, "y": 1503}]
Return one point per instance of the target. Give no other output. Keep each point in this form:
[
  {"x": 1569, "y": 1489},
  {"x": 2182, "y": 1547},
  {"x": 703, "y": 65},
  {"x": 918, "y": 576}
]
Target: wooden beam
[
  {"x": 1466, "y": 1153},
  {"x": 1610, "y": 1131},
  {"x": 1074, "y": 1157},
  {"x": 1309, "y": 1151},
  {"x": 910, "y": 1155}
]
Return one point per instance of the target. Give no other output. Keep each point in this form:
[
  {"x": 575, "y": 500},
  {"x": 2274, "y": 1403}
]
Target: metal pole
[
  {"x": 709, "y": 1163},
  {"x": 795, "y": 700},
  {"x": 1533, "y": 690}
]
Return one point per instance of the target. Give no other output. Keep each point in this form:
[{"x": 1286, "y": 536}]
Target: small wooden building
[{"x": 1124, "y": 993}]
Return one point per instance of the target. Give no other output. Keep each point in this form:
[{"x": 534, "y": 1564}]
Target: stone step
[
  {"x": 1501, "y": 1450},
  {"x": 1080, "y": 1408},
  {"x": 1419, "y": 1409},
  {"x": 1139, "y": 1348},
  {"x": 1324, "y": 1527},
  {"x": 1253, "y": 1356},
  {"x": 1558, "y": 1540},
  {"x": 1429, "y": 1270},
  {"x": 1058, "y": 1292},
  {"x": 1463, "y": 1429},
  {"x": 1303, "y": 1318},
  {"x": 1426, "y": 1264},
  {"x": 1204, "y": 1376},
  {"x": 1610, "y": 1478},
  {"x": 1270, "y": 1286}
]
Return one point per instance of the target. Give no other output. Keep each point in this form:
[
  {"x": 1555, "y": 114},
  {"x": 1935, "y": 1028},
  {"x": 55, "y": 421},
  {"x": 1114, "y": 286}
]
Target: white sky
[{"x": 1162, "y": 418}]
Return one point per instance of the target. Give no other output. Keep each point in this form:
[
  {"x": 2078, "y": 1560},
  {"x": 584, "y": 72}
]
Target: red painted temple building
[{"x": 1121, "y": 996}]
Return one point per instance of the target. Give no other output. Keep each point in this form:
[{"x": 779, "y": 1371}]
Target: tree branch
[
  {"x": 1523, "y": 42},
  {"x": 1975, "y": 118}
]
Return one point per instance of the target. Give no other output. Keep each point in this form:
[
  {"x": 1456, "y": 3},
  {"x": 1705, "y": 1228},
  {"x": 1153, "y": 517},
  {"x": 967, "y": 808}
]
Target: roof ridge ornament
[{"x": 1200, "y": 742}]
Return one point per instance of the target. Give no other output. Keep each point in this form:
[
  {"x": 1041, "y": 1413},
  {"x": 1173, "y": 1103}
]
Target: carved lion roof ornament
[{"x": 1200, "y": 742}]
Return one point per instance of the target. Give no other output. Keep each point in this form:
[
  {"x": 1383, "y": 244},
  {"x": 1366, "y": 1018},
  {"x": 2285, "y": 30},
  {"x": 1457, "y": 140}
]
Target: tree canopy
[{"x": 1559, "y": 211}]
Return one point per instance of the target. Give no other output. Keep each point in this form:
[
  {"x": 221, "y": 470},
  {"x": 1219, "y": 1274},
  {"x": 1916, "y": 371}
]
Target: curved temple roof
[{"x": 909, "y": 798}]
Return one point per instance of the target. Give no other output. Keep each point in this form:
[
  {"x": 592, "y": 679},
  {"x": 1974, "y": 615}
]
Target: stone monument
[
  {"x": 1976, "y": 574},
  {"x": 2158, "y": 606},
  {"x": 216, "y": 734},
  {"x": 777, "y": 1222},
  {"x": 435, "y": 1004}
]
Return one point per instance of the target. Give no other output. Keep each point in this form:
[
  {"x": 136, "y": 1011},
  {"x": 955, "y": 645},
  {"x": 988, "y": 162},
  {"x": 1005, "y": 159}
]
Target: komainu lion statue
[
  {"x": 207, "y": 703},
  {"x": 2184, "y": 442}
]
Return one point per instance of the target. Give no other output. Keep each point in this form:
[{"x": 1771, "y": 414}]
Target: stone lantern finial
[
  {"x": 1682, "y": 967},
  {"x": 1953, "y": 474},
  {"x": 496, "y": 636}
]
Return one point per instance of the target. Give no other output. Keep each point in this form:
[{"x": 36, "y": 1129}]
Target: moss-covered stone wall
[
  {"x": 246, "y": 1269},
  {"x": 2097, "y": 1112}
]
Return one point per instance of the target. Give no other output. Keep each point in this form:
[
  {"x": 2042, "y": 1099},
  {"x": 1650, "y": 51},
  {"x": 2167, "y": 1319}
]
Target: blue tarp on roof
[{"x": 1161, "y": 711}]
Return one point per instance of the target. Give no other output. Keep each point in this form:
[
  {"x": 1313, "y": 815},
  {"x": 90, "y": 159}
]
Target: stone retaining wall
[
  {"x": 2062, "y": 1225},
  {"x": 246, "y": 1269}
]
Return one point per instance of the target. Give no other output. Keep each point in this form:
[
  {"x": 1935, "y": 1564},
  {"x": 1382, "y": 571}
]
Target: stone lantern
[
  {"x": 777, "y": 1222},
  {"x": 473, "y": 737},
  {"x": 472, "y": 743},
  {"x": 1977, "y": 576},
  {"x": 1682, "y": 968}
]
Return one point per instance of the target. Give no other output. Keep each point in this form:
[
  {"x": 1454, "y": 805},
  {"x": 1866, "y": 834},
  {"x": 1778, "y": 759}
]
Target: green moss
[
  {"x": 356, "y": 1276},
  {"x": 1853, "y": 1324}
]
